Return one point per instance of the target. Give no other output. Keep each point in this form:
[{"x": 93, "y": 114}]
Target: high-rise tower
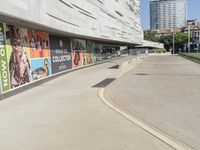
[{"x": 168, "y": 13}]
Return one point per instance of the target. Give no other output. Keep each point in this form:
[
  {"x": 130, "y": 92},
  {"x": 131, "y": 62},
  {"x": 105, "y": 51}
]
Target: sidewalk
[
  {"x": 66, "y": 114},
  {"x": 163, "y": 93}
]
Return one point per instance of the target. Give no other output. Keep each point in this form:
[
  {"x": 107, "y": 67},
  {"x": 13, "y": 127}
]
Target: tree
[
  {"x": 150, "y": 36},
  {"x": 167, "y": 40},
  {"x": 181, "y": 38}
]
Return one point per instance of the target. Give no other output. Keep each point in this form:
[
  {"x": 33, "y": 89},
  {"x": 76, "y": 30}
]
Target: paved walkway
[
  {"x": 164, "y": 92},
  {"x": 66, "y": 114}
]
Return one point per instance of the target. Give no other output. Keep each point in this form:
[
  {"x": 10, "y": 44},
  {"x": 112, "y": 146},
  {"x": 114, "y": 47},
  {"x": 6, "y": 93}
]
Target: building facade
[
  {"x": 42, "y": 38},
  {"x": 115, "y": 20},
  {"x": 165, "y": 14},
  {"x": 193, "y": 28}
]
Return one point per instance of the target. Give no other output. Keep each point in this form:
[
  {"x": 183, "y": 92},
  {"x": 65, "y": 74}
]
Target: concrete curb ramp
[{"x": 148, "y": 128}]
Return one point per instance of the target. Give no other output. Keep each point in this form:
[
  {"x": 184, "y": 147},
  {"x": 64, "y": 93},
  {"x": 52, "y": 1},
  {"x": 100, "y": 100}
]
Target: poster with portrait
[
  {"x": 60, "y": 53},
  {"x": 77, "y": 59},
  {"x": 39, "y": 46},
  {"x": 4, "y": 69},
  {"x": 78, "y": 52},
  {"x": 90, "y": 52},
  {"x": 40, "y": 68},
  {"x": 18, "y": 55}
]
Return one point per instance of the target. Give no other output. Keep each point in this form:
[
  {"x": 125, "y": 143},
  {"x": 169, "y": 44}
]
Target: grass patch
[{"x": 193, "y": 56}]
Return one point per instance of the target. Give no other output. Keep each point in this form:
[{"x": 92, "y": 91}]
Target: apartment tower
[{"x": 166, "y": 14}]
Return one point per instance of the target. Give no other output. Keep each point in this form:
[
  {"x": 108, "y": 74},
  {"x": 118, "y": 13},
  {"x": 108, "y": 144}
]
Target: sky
[{"x": 193, "y": 12}]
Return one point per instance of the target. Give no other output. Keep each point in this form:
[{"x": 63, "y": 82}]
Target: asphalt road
[
  {"x": 164, "y": 92},
  {"x": 66, "y": 114}
]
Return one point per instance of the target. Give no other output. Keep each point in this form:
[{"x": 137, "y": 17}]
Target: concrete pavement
[
  {"x": 163, "y": 92},
  {"x": 66, "y": 113}
]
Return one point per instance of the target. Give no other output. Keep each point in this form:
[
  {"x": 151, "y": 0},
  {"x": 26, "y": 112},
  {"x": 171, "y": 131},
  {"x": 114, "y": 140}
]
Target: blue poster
[{"x": 40, "y": 68}]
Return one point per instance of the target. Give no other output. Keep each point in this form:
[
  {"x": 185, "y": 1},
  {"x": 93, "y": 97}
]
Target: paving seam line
[{"x": 137, "y": 121}]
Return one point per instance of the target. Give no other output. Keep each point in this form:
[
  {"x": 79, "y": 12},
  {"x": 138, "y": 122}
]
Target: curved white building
[
  {"x": 114, "y": 20},
  {"x": 42, "y": 38}
]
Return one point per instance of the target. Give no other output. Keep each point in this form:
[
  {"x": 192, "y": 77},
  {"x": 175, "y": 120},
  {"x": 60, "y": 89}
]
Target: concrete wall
[{"x": 116, "y": 20}]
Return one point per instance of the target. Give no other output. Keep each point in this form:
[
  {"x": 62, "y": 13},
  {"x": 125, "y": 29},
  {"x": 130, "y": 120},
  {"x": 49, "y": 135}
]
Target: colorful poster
[
  {"x": 84, "y": 59},
  {"x": 40, "y": 68},
  {"x": 77, "y": 59},
  {"x": 39, "y": 49},
  {"x": 38, "y": 44},
  {"x": 60, "y": 54},
  {"x": 18, "y": 55},
  {"x": 4, "y": 70},
  {"x": 89, "y": 56},
  {"x": 78, "y": 50}
]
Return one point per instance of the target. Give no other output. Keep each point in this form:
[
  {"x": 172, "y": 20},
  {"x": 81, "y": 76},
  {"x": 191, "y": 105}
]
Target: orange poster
[{"x": 38, "y": 44}]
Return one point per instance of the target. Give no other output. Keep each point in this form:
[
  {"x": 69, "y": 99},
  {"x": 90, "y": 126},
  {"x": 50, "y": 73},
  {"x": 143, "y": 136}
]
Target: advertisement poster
[
  {"x": 40, "y": 68},
  {"x": 77, "y": 59},
  {"x": 84, "y": 59},
  {"x": 90, "y": 52},
  {"x": 39, "y": 48},
  {"x": 60, "y": 53},
  {"x": 38, "y": 44},
  {"x": 78, "y": 44},
  {"x": 4, "y": 70},
  {"x": 78, "y": 50},
  {"x": 18, "y": 55}
]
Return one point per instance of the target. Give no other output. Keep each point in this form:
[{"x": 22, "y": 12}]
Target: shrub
[{"x": 160, "y": 50}]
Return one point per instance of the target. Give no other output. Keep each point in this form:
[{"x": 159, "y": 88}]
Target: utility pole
[
  {"x": 173, "y": 43},
  {"x": 198, "y": 44},
  {"x": 188, "y": 38}
]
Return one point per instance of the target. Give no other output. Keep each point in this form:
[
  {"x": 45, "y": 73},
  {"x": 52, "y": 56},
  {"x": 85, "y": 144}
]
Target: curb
[{"x": 145, "y": 126}]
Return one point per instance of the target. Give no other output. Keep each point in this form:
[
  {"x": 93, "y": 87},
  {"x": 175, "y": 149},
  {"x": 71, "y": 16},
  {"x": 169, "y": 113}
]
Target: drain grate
[
  {"x": 104, "y": 83},
  {"x": 114, "y": 67},
  {"x": 141, "y": 74}
]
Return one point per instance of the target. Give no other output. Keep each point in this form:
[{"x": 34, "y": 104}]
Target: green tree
[
  {"x": 179, "y": 41},
  {"x": 167, "y": 40},
  {"x": 150, "y": 36}
]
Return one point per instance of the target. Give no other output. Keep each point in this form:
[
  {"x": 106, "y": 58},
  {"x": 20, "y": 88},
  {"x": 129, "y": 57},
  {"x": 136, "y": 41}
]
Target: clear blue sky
[{"x": 193, "y": 12}]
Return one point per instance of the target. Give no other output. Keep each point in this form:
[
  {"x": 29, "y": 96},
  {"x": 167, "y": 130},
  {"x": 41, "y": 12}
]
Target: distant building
[
  {"x": 193, "y": 26},
  {"x": 159, "y": 32},
  {"x": 166, "y": 14}
]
